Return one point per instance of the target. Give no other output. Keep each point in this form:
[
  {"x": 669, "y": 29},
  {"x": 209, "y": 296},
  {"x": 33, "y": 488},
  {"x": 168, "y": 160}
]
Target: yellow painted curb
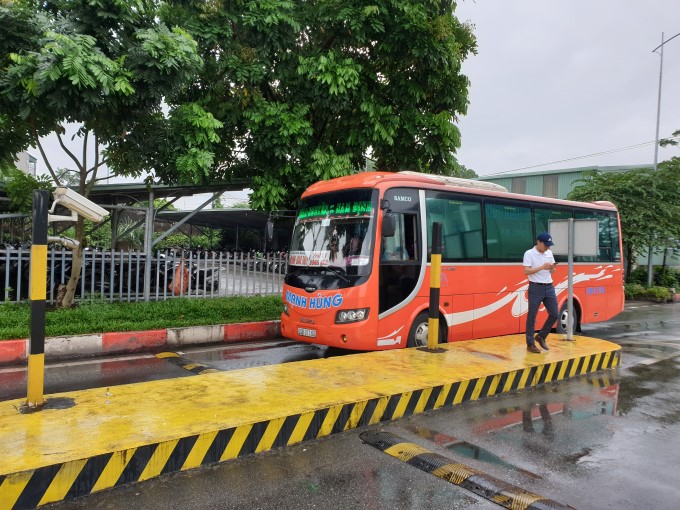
[{"x": 90, "y": 440}]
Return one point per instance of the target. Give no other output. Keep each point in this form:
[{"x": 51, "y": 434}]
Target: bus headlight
[
  {"x": 345, "y": 316},
  {"x": 285, "y": 309}
]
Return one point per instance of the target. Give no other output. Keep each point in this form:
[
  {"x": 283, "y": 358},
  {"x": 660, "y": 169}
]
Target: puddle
[{"x": 55, "y": 403}]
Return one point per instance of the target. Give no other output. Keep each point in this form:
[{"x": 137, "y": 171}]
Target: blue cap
[{"x": 545, "y": 239}]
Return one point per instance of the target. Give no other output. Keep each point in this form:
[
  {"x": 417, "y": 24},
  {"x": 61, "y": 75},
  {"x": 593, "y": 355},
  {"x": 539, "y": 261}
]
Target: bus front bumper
[{"x": 355, "y": 336}]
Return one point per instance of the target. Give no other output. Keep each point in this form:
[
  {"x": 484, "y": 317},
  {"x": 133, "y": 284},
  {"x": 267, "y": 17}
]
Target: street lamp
[
  {"x": 650, "y": 266},
  {"x": 658, "y": 104}
]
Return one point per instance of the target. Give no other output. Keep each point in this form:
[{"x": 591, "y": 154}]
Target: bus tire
[
  {"x": 561, "y": 326},
  {"x": 417, "y": 335}
]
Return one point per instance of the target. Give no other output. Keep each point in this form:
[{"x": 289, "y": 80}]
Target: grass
[{"x": 104, "y": 317}]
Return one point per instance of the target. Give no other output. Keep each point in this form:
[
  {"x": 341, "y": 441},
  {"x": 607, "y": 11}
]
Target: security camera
[{"x": 78, "y": 204}]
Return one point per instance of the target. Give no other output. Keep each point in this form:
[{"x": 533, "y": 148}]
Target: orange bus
[{"x": 358, "y": 265}]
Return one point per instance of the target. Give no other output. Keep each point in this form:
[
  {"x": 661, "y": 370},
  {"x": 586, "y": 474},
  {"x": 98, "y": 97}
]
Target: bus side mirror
[
  {"x": 389, "y": 224},
  {"x": 269, "y": 228}
]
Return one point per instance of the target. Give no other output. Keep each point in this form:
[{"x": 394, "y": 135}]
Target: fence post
[{"x": 148, "y": 246}]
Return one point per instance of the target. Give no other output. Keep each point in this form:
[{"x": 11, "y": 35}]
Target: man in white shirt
[{"x": 539, "y": 264}]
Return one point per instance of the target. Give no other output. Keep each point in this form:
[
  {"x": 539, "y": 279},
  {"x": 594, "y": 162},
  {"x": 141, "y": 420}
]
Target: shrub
[
  {"x": 635, "y": 291},
  {"x": 668, "y": 278},
  {"x": 638, "y": 275},
  {"x": 658, "y": 294}
]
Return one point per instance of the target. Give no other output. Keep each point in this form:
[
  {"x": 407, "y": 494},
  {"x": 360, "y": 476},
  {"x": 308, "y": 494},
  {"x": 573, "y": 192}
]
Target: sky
[
  {"x": 555, "y": 80},
  {"x": 560, "y": 79}
]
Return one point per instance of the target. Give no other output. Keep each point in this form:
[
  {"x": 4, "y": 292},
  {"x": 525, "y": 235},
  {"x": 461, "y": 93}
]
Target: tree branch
[
  {"x": 70, "y": 154},
  {"x": 94, "y": 168},
  {"x": 96, "y": 152},
  {"x": 42, "y": 152},
  {"x": 85, "y": 138},
  {"x": 47, "y": 163},
  {"x": 102, "y": 162}
]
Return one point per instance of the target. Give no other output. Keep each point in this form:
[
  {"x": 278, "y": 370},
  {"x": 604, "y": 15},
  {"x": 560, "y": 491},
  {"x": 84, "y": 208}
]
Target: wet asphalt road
[
  {"x": 593, "y": 442},
  {"x": 103, "y": 372}
]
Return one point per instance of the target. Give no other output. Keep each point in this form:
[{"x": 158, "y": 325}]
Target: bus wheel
[
  {"x": 561, "y": 326},
  {"x": 417, "y": 336}
]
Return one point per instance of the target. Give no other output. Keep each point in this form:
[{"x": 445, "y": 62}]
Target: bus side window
[
  {"x": 461, "y": 227},
  {"x": 472, "y": 244},
  {"x": 403, "y": 245},
  {"x": 508, "y": 231}
]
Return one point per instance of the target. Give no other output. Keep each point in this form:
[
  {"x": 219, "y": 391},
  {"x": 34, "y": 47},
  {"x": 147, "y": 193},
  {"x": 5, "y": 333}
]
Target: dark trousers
[{"x": 541, "y": 294}]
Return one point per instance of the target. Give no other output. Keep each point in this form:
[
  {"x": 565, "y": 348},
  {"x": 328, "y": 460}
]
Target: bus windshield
[{"x": 334, "y": 232}]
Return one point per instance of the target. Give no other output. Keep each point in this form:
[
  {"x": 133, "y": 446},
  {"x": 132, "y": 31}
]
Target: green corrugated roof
[{"x": 508, "y": 175}]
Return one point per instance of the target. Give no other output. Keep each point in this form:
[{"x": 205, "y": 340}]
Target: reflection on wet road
[
  {"x": 647, "y": 333},
  {"x": 105, "y": 372}
]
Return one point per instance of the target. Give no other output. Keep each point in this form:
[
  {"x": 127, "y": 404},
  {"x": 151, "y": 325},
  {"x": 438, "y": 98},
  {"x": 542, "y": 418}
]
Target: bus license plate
[{"x": 311, "y": 333}]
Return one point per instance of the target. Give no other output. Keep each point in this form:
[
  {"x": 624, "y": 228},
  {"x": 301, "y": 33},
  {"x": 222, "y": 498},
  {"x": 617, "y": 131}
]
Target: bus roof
[{"x": 385, "y": 180}]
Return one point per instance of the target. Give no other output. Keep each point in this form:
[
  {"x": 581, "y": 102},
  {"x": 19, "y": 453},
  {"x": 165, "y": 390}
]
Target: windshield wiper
[
  {"x": 338, "y": 271},
  {"x": 299, "y": 271}
]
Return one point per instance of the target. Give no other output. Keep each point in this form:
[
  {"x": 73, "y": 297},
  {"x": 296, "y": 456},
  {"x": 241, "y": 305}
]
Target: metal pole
[
  {"x": 650, "y": 253},
  {"x": 658, "y": 106},
  {"x": 570, "y": 281},
  {"x": 38, "y": 289},
  {"x": 115, "y": 216},
  {"x": 435, "y": 278}
]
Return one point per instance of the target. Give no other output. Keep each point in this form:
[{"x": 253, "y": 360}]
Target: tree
[
  {"x": 463, "y": 171},
  {"x": 19, "y": 187},
  {"x": 110, "y": 67},
  {"x": 68, "y": 177},
  {"x": 241, "y": 204},
  {"x": 672, "y": 140},
  {"x": 307, "y": 90},
  {"x": 648, "y": 203}
]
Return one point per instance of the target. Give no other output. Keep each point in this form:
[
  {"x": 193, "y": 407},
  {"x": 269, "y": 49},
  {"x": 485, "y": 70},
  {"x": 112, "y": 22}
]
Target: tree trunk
[
  {"x": 76, "y": 266},
  {"x": 629, "y": 261},
  {"x": 663, "y": 265}
]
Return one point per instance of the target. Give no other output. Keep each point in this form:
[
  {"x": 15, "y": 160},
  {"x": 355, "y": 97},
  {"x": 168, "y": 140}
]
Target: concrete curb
[{"x": 16, "y": 351}]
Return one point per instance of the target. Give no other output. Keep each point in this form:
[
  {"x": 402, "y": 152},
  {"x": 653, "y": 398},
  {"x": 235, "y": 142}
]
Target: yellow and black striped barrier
[
  {"x": 186, "y": 364},
  {"x": 482, "y": 484},
  {"x": 38, "y": 295}
]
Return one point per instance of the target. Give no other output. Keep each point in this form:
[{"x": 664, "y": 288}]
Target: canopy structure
[
  {"x": 219, "y": 218},
  {"x": 131, "y": 193},
  {"x": 136, "y": 202}
]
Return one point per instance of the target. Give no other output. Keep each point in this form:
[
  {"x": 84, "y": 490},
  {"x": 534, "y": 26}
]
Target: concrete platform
[{"x": 90, "y": 440}]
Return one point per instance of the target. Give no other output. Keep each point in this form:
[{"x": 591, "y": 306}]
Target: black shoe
[
  {"x": 541, "y": 341},
  {"x": 533, "y": 348}
]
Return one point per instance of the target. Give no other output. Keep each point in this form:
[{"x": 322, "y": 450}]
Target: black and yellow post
[
  {"x": 38, "y": 288},
  {"x": 435, "y": 278}
]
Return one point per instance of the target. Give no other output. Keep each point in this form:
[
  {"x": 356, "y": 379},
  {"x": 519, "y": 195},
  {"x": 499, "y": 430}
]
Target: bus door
[{"x": 400, "y": 254}]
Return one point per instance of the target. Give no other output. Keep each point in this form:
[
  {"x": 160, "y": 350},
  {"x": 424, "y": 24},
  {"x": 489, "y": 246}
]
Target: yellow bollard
[
  {"x": 435, "y": 278},
  {"x": 38, "y": 287}
]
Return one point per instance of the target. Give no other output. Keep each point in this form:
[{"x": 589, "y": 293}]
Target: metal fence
[{"x": 119, "y": 275}]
